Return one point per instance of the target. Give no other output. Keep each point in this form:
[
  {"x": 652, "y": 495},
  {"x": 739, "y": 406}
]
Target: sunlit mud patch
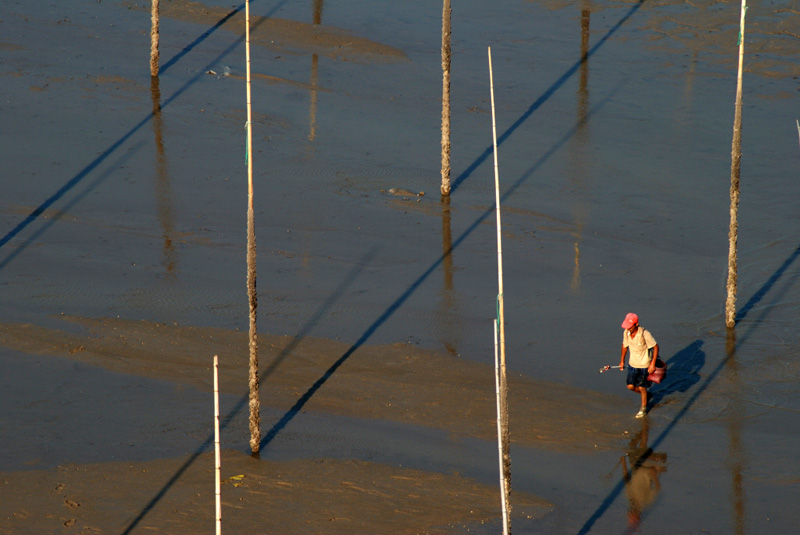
[
  {"x": 282, "y": 34},
  {"x": 295, "y": 497},
  {"x": 398, "y": 382}
]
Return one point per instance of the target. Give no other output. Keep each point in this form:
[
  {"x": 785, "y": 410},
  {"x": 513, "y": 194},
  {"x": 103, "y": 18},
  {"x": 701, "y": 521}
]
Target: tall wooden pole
[
  {"x": 255, "y": 404},
  {"x": 736, "y": 163},
  {"x": 154, "y": 38},
  {"x": 506, "y": 449},
  {"x": 445, "y": 188}
]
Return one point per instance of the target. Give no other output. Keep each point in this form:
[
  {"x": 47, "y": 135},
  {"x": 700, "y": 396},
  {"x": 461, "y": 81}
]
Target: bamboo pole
[
  {"x": 499, "y": 433},
  {"x": 255, "y": 405},
  {"x": 154, "y": 38},
  {"x": 798, "y": 128},
  {"x": 736, "y": 163},
  {"x": 216, "y": 445},
  {"x": 501, "y": 319},
  {"x": 446, "y": 12}
]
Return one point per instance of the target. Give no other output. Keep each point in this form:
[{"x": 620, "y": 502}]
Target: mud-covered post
[
  {"x": 254, "y": 403},
  {"x": 154, "y": 38},
  {"x": 446, "y": 98},
  {"x": 736, "y": 164}
]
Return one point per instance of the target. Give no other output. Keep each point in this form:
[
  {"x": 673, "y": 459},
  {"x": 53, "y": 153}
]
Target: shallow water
[{"x": 614, "y": 180}]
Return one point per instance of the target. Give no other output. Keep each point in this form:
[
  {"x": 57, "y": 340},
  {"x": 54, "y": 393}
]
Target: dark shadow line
[
  {"x": 615, "y": 492},
  {"x": 217, "y": 26},
  {"x": 337, "y": 293},
  {"x": 37, "y": 212},
  {"x": 292, "y": 412},
  {"x": 244, "y": 400},
  {"x": 16, "y": 252},
  {"x": 177, "y": 475},
  {"x": 297, "y": 407},
  {"x": 758, "y": 296},
  {"x": 544, "y": 97},
  {"x": 188, "y": 48}
]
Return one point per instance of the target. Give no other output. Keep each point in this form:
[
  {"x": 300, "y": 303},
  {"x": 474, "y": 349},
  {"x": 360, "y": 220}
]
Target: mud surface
[{"x": 123, "y": 244}]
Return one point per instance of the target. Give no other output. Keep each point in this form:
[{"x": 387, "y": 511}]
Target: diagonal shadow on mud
[{"x": 114, "y": 147}]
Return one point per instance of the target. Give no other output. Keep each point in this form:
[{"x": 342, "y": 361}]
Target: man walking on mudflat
[{"x": 642, "y": 361}]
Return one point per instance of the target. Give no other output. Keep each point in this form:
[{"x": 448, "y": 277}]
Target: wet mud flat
[
  {"x": 301, "y": 496},
  {"x": 398, "y": 383},
  {"x": 122, "y": 267}
]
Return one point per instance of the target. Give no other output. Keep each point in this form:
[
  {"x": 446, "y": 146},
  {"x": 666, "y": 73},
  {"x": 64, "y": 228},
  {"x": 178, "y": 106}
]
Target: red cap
[{"x": 630, "y": 320}]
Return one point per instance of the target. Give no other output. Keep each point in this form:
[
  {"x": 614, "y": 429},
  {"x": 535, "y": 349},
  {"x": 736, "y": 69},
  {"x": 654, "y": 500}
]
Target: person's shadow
[{"x": 683, "y": 372}]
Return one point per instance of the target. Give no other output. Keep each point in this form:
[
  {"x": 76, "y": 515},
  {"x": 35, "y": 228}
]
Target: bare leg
[{"x": 642, "y": 392}]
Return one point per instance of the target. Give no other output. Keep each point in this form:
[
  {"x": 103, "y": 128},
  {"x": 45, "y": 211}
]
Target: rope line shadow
[
  {"x": 286, "y": 351},
  {"x": 544, "y": 97},
  {"x": 60, "y": 193},
  {"x": 759, "y": 295},
  {"x": 188, "y": 48}
]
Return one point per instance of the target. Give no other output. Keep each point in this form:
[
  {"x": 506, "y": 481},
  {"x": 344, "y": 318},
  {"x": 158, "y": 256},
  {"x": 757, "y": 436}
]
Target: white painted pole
[
  {"x": 798, "y": 127},
  {"x": 501, "y": 319},
  {"x": 499, "y": 433},
  {"x": 216, "y": 445}
]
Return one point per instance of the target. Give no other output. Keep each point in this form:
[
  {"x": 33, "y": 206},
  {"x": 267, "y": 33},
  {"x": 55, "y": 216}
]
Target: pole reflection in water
[
  {"x": 579, "y": 159},
  {"x": 736, "y": 450},
  {"x": 163, "y": 189},
  {"x": 312, "y": 128},
  {"x": 641, "y": 471},
  {"x": 689, "y": 87},
  {"x": 583, "y": 84},
  {"x": 448, "y": 296}
]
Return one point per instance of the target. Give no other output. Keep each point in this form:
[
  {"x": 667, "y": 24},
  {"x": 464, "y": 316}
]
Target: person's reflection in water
[{"x": 641, "y": 468}]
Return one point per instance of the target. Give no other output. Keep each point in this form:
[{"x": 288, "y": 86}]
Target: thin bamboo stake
[
  {"x": 446, "y": 12},
  {"x": 255, "y": 404},
  {"x": 736, "y": 164},
  {"x": 499, "y": 433},
  {"x": 154, "y": 38},
  {"x": 798, "y": 128},
  {"x": 501, "y": 318},
  {"x": 216, "y": 445}
]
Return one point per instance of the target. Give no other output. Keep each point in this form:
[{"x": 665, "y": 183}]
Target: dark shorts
[{"x": 638, "y": 377}]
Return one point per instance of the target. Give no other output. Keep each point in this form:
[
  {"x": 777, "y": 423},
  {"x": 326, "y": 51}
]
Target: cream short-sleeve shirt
[{"x": 638, "y": 346}]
